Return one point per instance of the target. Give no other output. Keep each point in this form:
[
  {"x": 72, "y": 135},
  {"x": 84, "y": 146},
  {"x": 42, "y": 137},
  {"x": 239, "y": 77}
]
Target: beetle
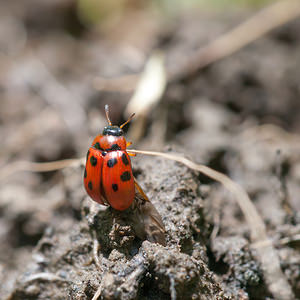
[
  {"x": 108, "y": 180},
  {"x": 108, "y": 177}
]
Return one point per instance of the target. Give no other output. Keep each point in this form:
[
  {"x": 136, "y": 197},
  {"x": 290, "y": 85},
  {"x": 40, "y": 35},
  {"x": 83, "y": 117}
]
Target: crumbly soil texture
[{"x": 239, "y": 116}]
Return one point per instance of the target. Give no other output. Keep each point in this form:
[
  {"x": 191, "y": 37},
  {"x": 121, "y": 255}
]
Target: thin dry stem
[
  {"x": 290, "y": 239},
  {"x": 147, "y": 94},
  {"x": 17, "y": 166},
  {"x": 96, "y": 248},
  {"x": 98, "y": 292},
  {"x": 258, "y": 231},
  {"x": 45, "y": 277}
]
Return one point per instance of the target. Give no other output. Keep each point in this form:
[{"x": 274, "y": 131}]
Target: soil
[{"x": 239, "y": 116}]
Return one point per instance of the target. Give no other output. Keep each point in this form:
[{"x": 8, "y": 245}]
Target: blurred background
[{"x": 61, "y": 61}]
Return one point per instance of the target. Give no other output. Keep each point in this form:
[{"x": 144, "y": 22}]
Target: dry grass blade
[
  {"x": 150, "y": 88},
  {"x": 289, "y": 240},
  {"x": 147, "y": 94},
  {"x": 255, "y": 27},
  {"x": 96, "y": 248},
  {"x": 45, "y": 277},
  {"x": 277, "y": 283},
  {"x": 257, "y": 226},
  {"x": 17, "y": 166},
  {"x": 98, "y": 292}
]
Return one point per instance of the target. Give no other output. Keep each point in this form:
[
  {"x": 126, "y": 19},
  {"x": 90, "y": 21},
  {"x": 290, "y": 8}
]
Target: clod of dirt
[{"x": 232, "y": 259}]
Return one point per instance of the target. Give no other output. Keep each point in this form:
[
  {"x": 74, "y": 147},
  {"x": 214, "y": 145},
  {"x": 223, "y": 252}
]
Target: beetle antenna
[
  {"x": 130, "y": 118},
  {"x": 107, "y": 114}
]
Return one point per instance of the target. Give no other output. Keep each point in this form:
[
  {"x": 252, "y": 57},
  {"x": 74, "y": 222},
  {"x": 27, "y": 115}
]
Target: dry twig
[
  {"x": 17, "y": 166},
  {"x": 96, "y": 248},
  {"x": 290, "y": 240},
  {"x": 147, "y": 94},
  {"x": 98, "y": 292},
  {"x": 257, "y": 226},
  {"x": 45, "y": 277}
]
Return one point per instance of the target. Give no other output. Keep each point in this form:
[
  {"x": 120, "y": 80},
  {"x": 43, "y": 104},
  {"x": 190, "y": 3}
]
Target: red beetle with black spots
[
  {"x": 108, "y": 180},
  {"x": 108, "y": 177}
]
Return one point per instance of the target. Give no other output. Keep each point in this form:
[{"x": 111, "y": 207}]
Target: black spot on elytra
[
  {"x": 87, "y": 155},
  {"x": 114, "y": 187},
  {"x": 90, "y": 185},
  {"x": 111, "y": 162},
  {"x": 104, "y": 153},
  {"x": 97, "y": 146},
  {"x": 125, "y": 176},
  {"x": 93, "y": 161},
  {"x": 85, "y": 173},
  {"x": 114, "y": 147},
  {"x": 125, "y": 159}
]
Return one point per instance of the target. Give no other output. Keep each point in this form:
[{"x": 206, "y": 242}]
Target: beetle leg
[
  {"x": 138, "y": 187},
  {"x": 127, "y": 145}
]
